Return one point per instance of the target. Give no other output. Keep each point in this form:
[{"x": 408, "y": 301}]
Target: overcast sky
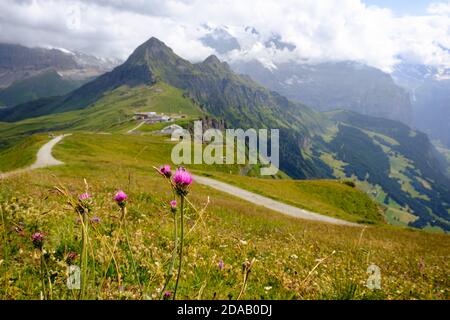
[{"x": 373, "y": 32}]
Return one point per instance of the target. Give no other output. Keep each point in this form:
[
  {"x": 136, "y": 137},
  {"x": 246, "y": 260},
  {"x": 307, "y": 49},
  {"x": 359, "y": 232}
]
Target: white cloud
[
  {"x": 321, "y": 30},
  {"x": 439, "y": 8}
]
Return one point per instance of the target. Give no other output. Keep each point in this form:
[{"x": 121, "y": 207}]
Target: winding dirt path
[
  {"x": 135, "y": 128},
  {"x": 44, "y": 158},
  {"x": 270, "y": 203}
]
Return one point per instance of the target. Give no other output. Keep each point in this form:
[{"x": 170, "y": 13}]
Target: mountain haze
[
  {"x": 429, "y": 88},
  {"x": 334, "y": 85},
  {"x": 44, "y": 84}
]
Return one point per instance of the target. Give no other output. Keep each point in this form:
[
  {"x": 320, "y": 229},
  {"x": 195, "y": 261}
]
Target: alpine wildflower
[
  {"x": 95, "y": 220},
  {"x": 38, "y": 240},
  {"x": 165, "y": 170},
  {"x": 121, "y": 198},
  {"x": 85, "y": 196},
  {"x": 221, "y": 265},
  {"x": 182, "y": 180},
  {"x": 71, "y": 256}
]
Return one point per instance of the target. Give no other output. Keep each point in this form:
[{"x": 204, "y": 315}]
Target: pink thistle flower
[
  {"x": 85, "y": 203},
  {"x": 95, "y": 220},
  {"x": 182, "y": 180},
  {"x": 165, "y": 171},
  {"x": 120, "y": 197},
  {"x": 173, "y": 206},
  {"x": 38, "y": 239},
  {"x": 84, "y": 196},
  {"x": 71, "y": 256},
  {"x": 167, "y": 294}
]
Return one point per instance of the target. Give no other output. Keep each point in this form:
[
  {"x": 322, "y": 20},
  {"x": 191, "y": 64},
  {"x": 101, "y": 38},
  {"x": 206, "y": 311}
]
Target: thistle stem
[
  {"x": 5, "y": 248},
  {"x": 43, "y": 276},
  {"x": 181, "y": 246},
  {"x": 84, "y": 254},
  {"x": 174, "y": 254}
]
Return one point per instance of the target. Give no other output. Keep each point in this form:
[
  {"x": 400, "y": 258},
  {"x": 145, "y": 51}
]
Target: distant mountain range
[
  {"x": 329, "y": 86},
  {"x": 396, "y": 165},
  {"x": 24, "y": 72}
]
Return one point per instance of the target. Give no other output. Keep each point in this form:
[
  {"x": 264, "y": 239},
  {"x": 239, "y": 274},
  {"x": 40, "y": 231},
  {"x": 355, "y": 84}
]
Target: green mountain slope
[{"x": 399, "y": 166}]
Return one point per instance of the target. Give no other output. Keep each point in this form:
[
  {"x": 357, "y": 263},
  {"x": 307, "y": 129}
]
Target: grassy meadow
[{"x": 294, "y": 259}]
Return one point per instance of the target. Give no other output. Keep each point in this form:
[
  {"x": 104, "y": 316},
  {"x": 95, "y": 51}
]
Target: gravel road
[
  {"x": 44, "y": 158},
  {"x": 270, "y": 203}
]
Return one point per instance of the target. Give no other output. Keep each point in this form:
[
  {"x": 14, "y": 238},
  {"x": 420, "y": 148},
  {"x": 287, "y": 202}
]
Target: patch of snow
[
  {"x": 63, "y": 50},
  {"x": 268, "y": 64}
]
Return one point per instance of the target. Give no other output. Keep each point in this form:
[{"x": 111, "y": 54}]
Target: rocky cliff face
[{"x": 209, "y": 123}]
